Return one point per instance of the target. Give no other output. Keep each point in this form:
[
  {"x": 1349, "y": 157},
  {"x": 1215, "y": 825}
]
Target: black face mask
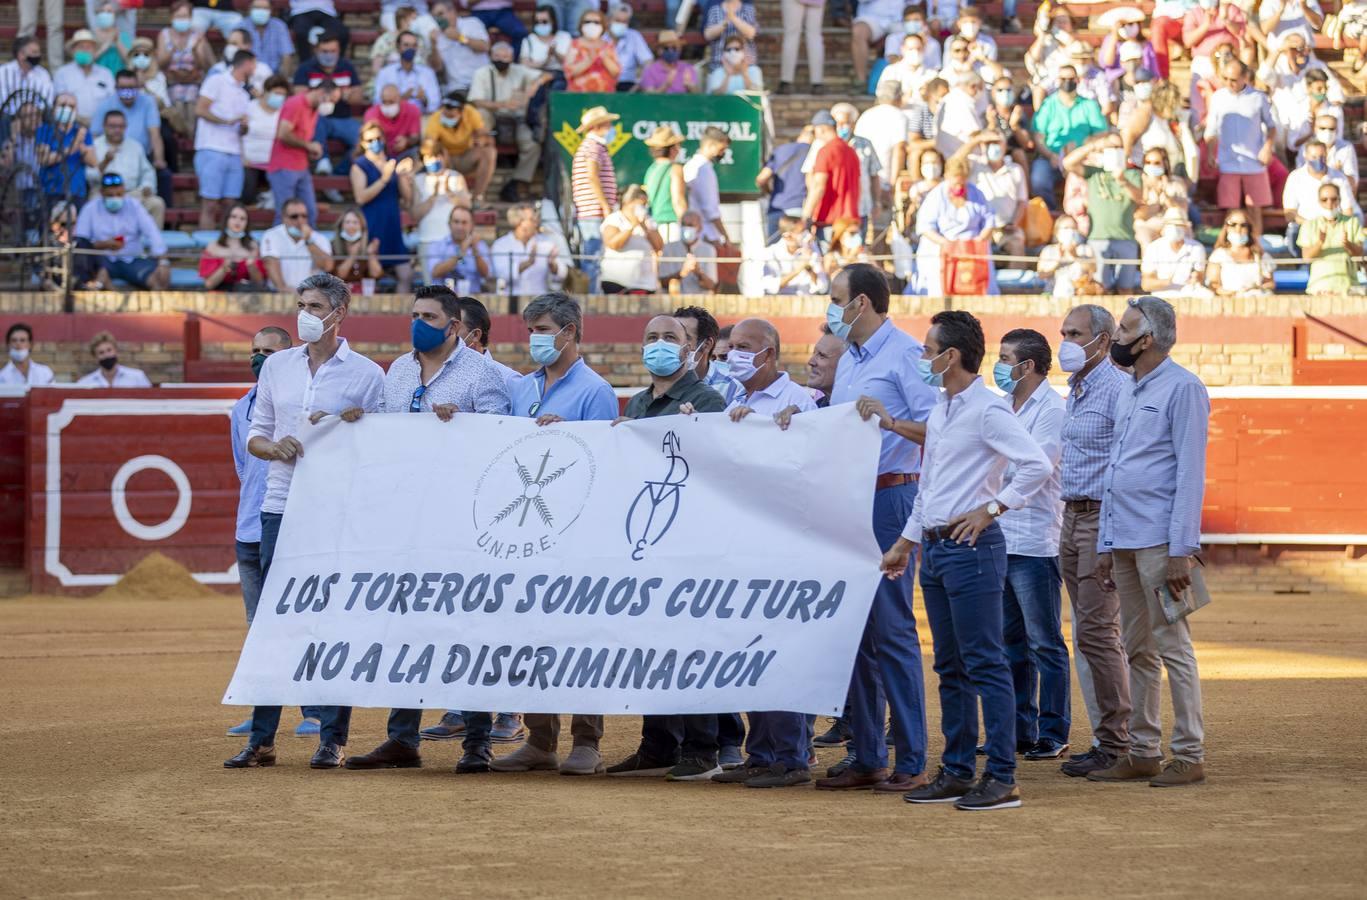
[
  {"x": 108, "y": 363},
  {"x": 1068, "y": 85},
  {"x": 502, "y": 65},
  {"x": 1124, "y": 354},
  {"x": 34, "y": 61},
  {"x": 258, "y": 360}
]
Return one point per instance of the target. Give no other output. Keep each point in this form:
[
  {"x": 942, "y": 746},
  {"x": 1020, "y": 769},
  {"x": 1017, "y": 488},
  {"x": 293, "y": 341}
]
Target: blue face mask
[
  {"x": 610, "y": 136},
  {"x": 1317, "y": 166},
  {"x": 662, "y": 358},
  {"x": 375, "y": 146},
  {"x": 543, "y": 349},
  {"x": 427, "y": 337},
  {"x": 434, "y": 166},
  {"x": 934, "y": 379},
  {"x": 104, "y": 20},
  {"x": 113, "y": 204},
  {"x": 1237, "y": 238},
  {"x": 294, "y": 231},
  {"x": 844, "y": 131},
  {"x": 275, "y": 101},
  {"x": 835, "y": 320},
  {"x": 408, "y": 54},
  {"x": 722, "y": 367},
  {"x": 260, "y": 16},
  {"x": 1001, "y": 374}
]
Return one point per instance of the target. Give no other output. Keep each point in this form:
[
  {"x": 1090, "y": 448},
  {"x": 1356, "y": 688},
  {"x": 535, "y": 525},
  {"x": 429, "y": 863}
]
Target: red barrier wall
[{"x": 13, "y": 480}]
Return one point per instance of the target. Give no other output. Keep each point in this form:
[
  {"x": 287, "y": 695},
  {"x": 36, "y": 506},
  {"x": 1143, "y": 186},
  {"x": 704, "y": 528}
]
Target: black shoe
[
  {"x": 817, "y": 90},
  {"x": 694, "y": 768},
  {"x": 834, "y": 736},
  {"x": 251, "y": 758},
  {"x": 476, "y": 759},
  {"x": 1046, "y": 748},
  {"x": 1085, "y": 754},
  {"x": 989, "y": 793},
  {"x": 389, "y": 755},
  {"x": 944, "y": 789},
  {"x": 779, "y": 775},
  {"x": 509, "y": 192},
  {"x": 1082, "y": 764},
  {"x": 785, "y": 87},
  {"x": 841, "y": 767},
  {"x": 641, "y": 766},
  {"x": 328, "y": 756}
]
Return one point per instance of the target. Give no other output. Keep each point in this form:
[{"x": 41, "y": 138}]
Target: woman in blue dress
[
  {"x": 383, "y": 186},
  {"x": 953, "y": 211}
]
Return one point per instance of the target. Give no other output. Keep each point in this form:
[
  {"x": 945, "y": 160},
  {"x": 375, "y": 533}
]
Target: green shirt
[
  {"x": 1332, "y": 272},
  {"x": 688, "y": 389},
  {"x": 659, "y": 184},
  {"x": 1061, "y": 125},
  {"x": 1109, "y": 205}
]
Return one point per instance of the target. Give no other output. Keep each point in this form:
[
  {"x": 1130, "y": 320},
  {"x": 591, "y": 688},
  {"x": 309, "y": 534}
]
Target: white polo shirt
[
  {"x": 287, "y": 393},
  {"x": 296, "y": 263},
  {"x": 124, "y": 377},
  {"x": 88, "y": 88},
  {"x": 230, "y": 101},
  {"x": 1034, "y": 529},
  {"x": 38, "y": 374},
  {"x": 777, "y": 397}
]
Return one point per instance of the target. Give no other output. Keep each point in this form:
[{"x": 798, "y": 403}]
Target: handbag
[
  {"x": 505, "y": 124},
  {"x": 965, "y": 269}
]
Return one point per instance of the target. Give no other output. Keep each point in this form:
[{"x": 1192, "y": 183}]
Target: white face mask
[
  {"x": 1113, "y": 160},
  {"x": 1143, "y": 90},
  {"x": 592, "y": 30},
  {"x": 1174, "y": 233},
  {"x": 931, "y": 172},
  {"x": 229, "y": 52},
  {"x": 1327, "y": 138},
  {"x": 310, "y": 327},
  {"x": 734, "y": 55},
  {"x": 1067, "y": 236},
  {"x": 18, "y": 354},
  {"x": 741, "y": 364},
  {"x": 1129, "y": 31},
  {"x": 326, "y": 107},
  {"x": 914, "y": 57},
  {"x": 689, "y": 234},
  {"x": 390, "y": 110},
  {"x": 968, "y": 29}
]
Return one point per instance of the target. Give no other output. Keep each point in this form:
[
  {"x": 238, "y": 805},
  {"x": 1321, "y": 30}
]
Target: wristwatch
[{"x": 995, "y": 509}]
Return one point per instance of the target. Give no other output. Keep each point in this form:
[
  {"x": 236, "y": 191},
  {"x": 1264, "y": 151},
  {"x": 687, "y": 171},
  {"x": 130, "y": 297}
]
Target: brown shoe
[
  {"x": 1180, "y": 773},
  {"x": 900, "y": 783},
  {"x": 850, "y": 780},
  {"x": 1129, "y": 768},
  {"x": 251, "y": 758},
  {"x": 389, "y": 755}
]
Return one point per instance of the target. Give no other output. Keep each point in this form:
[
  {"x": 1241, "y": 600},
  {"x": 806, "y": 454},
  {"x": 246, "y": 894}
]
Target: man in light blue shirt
[
  {"x": 879, "y": 371},
  {"x": 1150, "y": 530},
  {"x": 140, "y": 110},
  {"x": 123, "y": 231}
]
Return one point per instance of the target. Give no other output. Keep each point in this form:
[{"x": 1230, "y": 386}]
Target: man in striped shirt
[
  {"x": 593, "y": 183},
  {"x": 1150, "y": 530}
]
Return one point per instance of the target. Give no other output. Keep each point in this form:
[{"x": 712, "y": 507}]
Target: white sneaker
[
  {"x": 323, "y": 167},
  {"x": 267, "y": 201},
  {"x": 583, "y": 761},
  {"x": 526, "y": 759}
]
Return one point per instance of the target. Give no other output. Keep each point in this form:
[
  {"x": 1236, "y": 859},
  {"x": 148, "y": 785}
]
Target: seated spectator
[
  {"x": 233, "y": 259},
  {"x": 126, "y": 159},
  {"x": 399, "y": 119},
  {"x": 847, "y": 246},
  {"x": 874, "y": 20},
  {"x": 22, "y": 368},
  {"x": 1064, "y": 119},
  {"x": 633, "y": 53},
  {"x": 1301, "y": 195},
  {"x": 1161, "y": 191},
  {"x": 415, "y": 80},
  {"x": 310, "y": 20},
  {"x": 105, "y": 351},
  {"x": 591, "y": 67},
  {"x": 222, "y": 108},
  {"x": 793, "y": 263},
  {"x": 1124, "y": 28},
  {"x": 689, "y": 265},
  {"x": 1341, "y": 156},
  {"x": 913, "y": 22},
  {"x": 959, "y": 63},
  {"x": 733, "y": 17},
  {"x": 781, "y": 178},
  {"x": 297, "y": 146},
  {"x": 184, "y": 55},
  {"x": 921, "y": 111},
  {"x": 669, "y": 74},
  {"x": 241, "y": 39},
  {"x": 461, "y": 257},
  {"x": 1007, "y": 116},
  {"x": 142, "y": 59},
  {"x": 524, "y": 258},
  {"x": 1092, "y": 80},
  {"x": 293, "y": 250},
  {"x": 501, "y": 91},
  {"x": 1068, "y": 265},
  {"x": 912, "y": 186},
  {"x": 63, "y": 150},
  {"x": 215, "y": 15},
  {"x": 458, "y": 128},
  {"x": 383, "y": 186},
  {"x": 1294, "y": 95},
  {"x": 1002, "y": 183},
  {"x": 1238, "y": 265},
  {"x": 385, "y": 50},
  {"x": 1301, "y": 122},
  {"x": 981, "y": 47},
  {"x": 23, "y": 78},
  {"x": 910, "y": 72},
  {"x": 270, "y": 38},
  {"x": 337, "y": 124},
  {"x": 630, "y": 242},
  {"x": 120, "y": 228},
  {"x": 499, "y": 15},
  {"x": 85, "y": 267},
  {"x": 143, "y": 127},
  {"x": 664, "y": 181},
  {"x": 397, "y": 15},
  {"x": 83, "y": 78},
  {"x": 263, "y": 121},
  {"x": 355, "y": 254},
  {"x": 735, "y": 75},
  {"x": 954, "y": 211},
  {"x": 544, "y": 50},
  {"x": 437, "y": 189},
  {"x": 460, "y": 43},
  {"x": 1176, "y": 262},
  {"x": 111, "y": 45},
  {"x": 1112, "y": 196}
]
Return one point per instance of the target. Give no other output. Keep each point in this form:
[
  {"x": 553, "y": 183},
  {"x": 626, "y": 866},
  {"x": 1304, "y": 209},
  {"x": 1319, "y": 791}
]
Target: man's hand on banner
[
  {"x": 287, "y": 448},
  {"x": 620, "y": 419},
  {"x": 896, "y": 560},
  {"x": 784, "y": 417},
  {"x": 739, "y": 413},
  {"x": 548, "y": 419},
  {"x": 444, "y": 411},
  {"x": 868, "y": 407}
]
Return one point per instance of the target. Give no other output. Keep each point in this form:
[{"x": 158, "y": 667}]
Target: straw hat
[
  {"x": 1121, "y": 15},
  {"x": 85, "y": 34},
  {"x": 669, "y": 37},
  {"x": 664, "y": 136},
  {"x": 595, "y": 116}
]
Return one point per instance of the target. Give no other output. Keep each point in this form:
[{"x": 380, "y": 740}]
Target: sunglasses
[
  {"x": 293, "y": 216},
  {"x": 531, "y": 410},
  {"x": 1242, "y": 226},
  {"x": 415, "y": 405}
]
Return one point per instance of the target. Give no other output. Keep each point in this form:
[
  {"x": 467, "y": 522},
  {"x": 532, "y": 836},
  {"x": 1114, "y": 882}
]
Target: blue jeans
[
  {"x": 287, "y": 184},
  {"x": 962, "y": 587},
  {"x": 345, "y": 131},
  {"x": 1122, "y": 278},
  {"x": 249, "y": 574},
  {"x": 887, "y": 668},
  {"x": 334, "y": 722},
  {"x": 1032, "y": 625},
  {"x": 1008, "y": 9},
  {"x": 591, "y": 248},
  {"x": 1044, "y": 182},
  {"x": 506, "y": 21},
  {"x": 778, "y": 737}
]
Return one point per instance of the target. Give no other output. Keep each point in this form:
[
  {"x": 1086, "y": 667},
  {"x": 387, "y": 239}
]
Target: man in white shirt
[
  {"x": 127, "y": 159},
  {"x": 1033, "y": 593},
  {"x": 971, "y": 438},
  {"x": 1285, "y": 73},
  {"x": 885, "y": 126},
  {"x": 292, "y": 250},
  {"x": 22, "y": 368},
  {"x": 1175, "y": 262},
  {"x": 502, "y": 89},
  {"x": 322, "y": 376},
  {"x": 88, "y": 82},
  {"x": 1301, "y": 194},
  {"x": 110, "y": 374},
  {"x": 765, "y": 389},
  {"x": 1002, "y": 182},
  {"x": 221, "y": 110},
  {"x": 913, "y": 23},
  {"x": 416, "y": 81},
  {"x": 1341, "y": 156},
  {"x": 873, "y": 21},
  {"x": 523, "y": 259},
  {"x": 793, "y": 263},
  {"x": 958, "y": 119},
  {"x": 700, "y": 175},
  {"x": 912, "y": 70},
  {"x": 25, "y": 73},
  {"x": 459, "y": 44}
]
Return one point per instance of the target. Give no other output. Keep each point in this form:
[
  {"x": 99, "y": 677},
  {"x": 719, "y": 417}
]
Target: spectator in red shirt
[
  {"x": 399, "y": 119},
  {"x": 834, "y": 189},
  {"x": 295, "y": 148}
]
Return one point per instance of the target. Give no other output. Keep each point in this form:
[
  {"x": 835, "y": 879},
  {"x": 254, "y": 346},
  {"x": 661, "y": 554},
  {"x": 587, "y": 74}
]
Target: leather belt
[
  {"x": 893, "y": 479},
  {"x": 1082, "y": 505},
  {"x": 933, "y": 535}
]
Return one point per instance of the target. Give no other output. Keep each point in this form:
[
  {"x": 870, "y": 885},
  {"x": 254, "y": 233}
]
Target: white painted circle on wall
[{"x": 175, "y": 522}]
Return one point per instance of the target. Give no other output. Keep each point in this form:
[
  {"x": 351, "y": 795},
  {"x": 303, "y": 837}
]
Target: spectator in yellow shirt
[{"x": 459, "y": 128}]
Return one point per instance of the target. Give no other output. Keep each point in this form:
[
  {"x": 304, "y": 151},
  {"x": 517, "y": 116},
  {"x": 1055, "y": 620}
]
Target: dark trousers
[
  {"x": 887, "y": 668},
  {"x": 782, "y": 738},
  {"x": 506, "y": 21},
  {"x": 1032, "y": 626},
  {"x": 334, "y": 722},
  {"x": 962, "y": 587},
  {"x": 666, "y": 738},
  {"x": 404, "y": 725}
]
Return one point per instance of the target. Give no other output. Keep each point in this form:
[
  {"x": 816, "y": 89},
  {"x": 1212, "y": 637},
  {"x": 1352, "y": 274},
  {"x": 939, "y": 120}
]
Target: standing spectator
[
  {"x": 1063, "y": 122},
  {"x": 501, "y": 92},
  {"x": 727, "y": 18},
  {"x": 1238, "y": 265},
  {"x": 292, "y": 250},
  {"x": 668, "y": 74},
  {"x": 633, "y": 53},
  {"x": 215, "y": 15},
  {"x": 241, "y": 39},
  {"x": 28, "y": 24},
  {"x": 296, "y": 146},
  {"x": 126, "y": 159},
  {"x": 63, "y": 150},
  {"x": 185, "y": 56},
  {"x": 525, "y": 259},
  {"x": 1240, "y": 119},
  {"x": 704, "y": 193},
  {"x": 954, "y": 211},
  {"x": 870, "y": 170},
  {"x": 591, "y": 65},
  {"x": 383, "y": 186},
  {"x": 833, "y": 186},
  {"x": 793, "y": 263},
  {"x": 1205, "y": 26},
  {"x": 544, "y": 50},
  {"x": 735, "y": 75},
  {"x": 83, "y": 78},
  {"x": 338, "y": 125},
  {"x": 886, "y": 129},
  {"x": 437, "y": 190},
  {"x": 141, "y": 116},
  {"x": 781, "y": 178},
  {"x": 499, "y": 14},
  {"x": 981, "y": 47},
  {"x": 1279, "y": 19},
  {"x": 458, "y": 129},
  {"x": 270, "y": 38},
  {"x": 1150, "y": 530},
  {"x": 105, "y": 351},
  {"x": 1331, "y": 243},
  {"x": 1002, "y": 184},
  {"x": 22, "y": 368},
  {"x": 24, "y": 75},
  {"x": 263, "y": 122},
  {"x": 460, "y": 43},
  {"x": 1113, "y": 195},
  {"x": 664, "y": 181},
  {"x": 874, "y": 20},
  {"x": 1007, "y": 116},
  {"x": 222, "y": 108},
  {"x": 121, "y": 229},
  {"x": 630, "y": 242},
  {"x": 111, "y": 46},
  {"x": 1068, "y": 265},
  {"x": 802, "y": 20},
  {"x": 233, "y": 258},
  {"x": 355, "y": 254},
  {"x": 399, "y": 119},
  {"x": 461, "y": 256},
  {"x": 310, "y": 20},
  {"x": 593, "y": 185},
  {"x": 416, "y": 81},
  {"x": 689, "y": 265},
  {"x": 1175, "y": 264}
]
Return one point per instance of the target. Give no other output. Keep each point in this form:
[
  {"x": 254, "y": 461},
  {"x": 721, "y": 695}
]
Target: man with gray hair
[
  {"x": 322, "y": 376},
  {"x": 1094, "y": 383},
  {"x": 870, "y": 169},
  {"x": 886, "y": 127},
  {"x": 1150, "y": 531}
]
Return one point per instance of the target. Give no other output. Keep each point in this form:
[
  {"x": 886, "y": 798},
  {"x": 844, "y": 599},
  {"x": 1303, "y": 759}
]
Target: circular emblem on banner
[{"x": 531, "y": 493}]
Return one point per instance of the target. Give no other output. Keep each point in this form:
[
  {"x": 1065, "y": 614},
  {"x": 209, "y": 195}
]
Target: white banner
[{"x": 669, "y": 565}]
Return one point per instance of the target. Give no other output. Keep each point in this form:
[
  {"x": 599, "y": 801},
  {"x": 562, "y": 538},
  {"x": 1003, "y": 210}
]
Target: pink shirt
[
  {"x": 1231, "y": 30},
  {"x": 408, "y": 123},
  {"x": 657, "y": 75}
]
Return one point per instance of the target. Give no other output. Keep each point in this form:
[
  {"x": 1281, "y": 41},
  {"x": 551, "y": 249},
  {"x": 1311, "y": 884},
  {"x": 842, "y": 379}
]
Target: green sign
[{"x": 739, "y": 116}]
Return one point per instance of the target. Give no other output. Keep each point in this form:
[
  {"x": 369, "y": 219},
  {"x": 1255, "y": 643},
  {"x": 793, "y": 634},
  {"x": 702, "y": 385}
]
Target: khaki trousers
[
  {"x": 543, "y": 730},
  {"x": 800, "y": 20}
]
